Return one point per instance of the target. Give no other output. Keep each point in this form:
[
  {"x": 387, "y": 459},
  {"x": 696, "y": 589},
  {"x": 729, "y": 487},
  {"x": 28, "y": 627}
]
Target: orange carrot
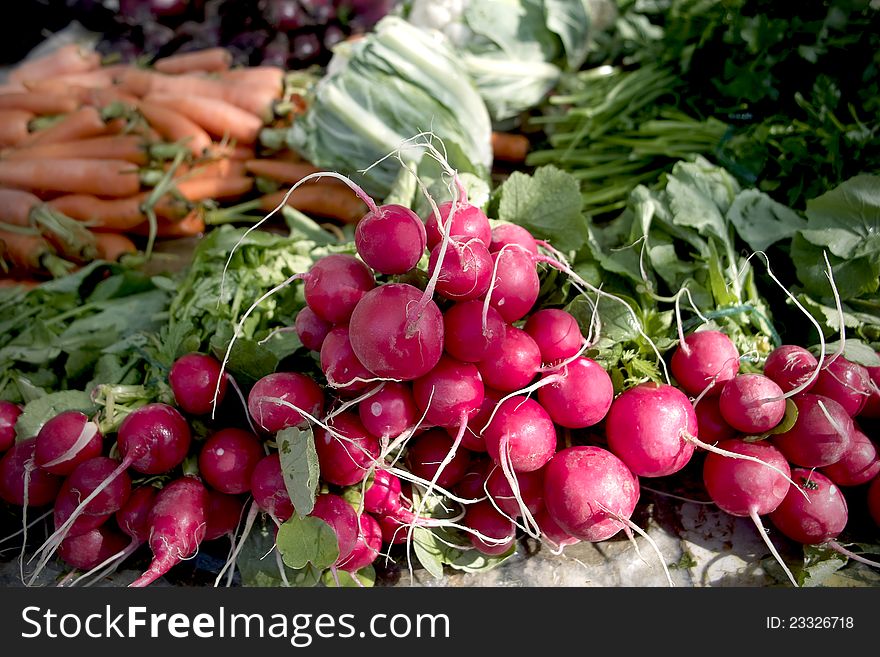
[
  {"x": 112, "y": 246},
  {"x": 285, "y": 172},
  {"x": 191, "y": 225},
  {"x": 111, "y": 178},
  {"x": 225, "y": 168},
  {"x": 70, "y": 58},
  {"x": 103, "y": 96},
  {"x": 83, "y": 123},
  {"x": 240, "y": 153},
  {"x": 174, "y": 126},
  {"x": 14, "y": 126},
  {"x": 508, "y": 147},
  {"x": 130, "y": 148},
  {"x": 199, "y": 189},
  {"x": 16, "y": 207},
  {"x": 38, "y": 103},
  {"x": 120, "y": 214},
  {"x": 270, "y": 77},
  {"x": 12, "y": 88},
  {"x": 209, "y": 60},
  {"x": 31, "y": 254},
  {"x": 103, "y": 77},
  {"x": 218, "y": 117},
  {"x": 321, "y": 199}
]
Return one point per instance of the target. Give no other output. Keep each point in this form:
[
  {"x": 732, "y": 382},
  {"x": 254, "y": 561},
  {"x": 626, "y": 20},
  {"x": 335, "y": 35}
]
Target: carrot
[
  {"x": 218, "y": 117},
  {"x": 14, "y": 126},
  {"x": 199, "y": 189},
  {"x": 283, "y": 171},
  {"x": 112, "y": 178},
  {"x": 12, "y": 88},
  {"x": 508, "y": 147},
  {"x": 103, "y": 96},
  {"x": 32, "y": 254},
  {"x": 209, "y": 60},
  {"x": 241, "y": 153},
  {"x": 174, "y": 126},
  {"x": 24, "y": 283},
  {"x": 269, "y": 77},
  {"x": 225, "y": 168},
  {"x": 120, "y": 214},
  {"x": 112, "y": 246},
  {"x": 318, "y": 198},
  {"x": 38, "y": 103},
  {"x": 191, "y": 225},
  {"x": 81, "y": 124},
  {"x": 103, "y": 77},
  {"x": 70, "y": 58},
  {"x": 130, "y": 148}
]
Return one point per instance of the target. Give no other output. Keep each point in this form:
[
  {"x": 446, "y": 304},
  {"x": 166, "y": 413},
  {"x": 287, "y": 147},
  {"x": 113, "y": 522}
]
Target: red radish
[
  {"x": 153, "y": 439},
  {"x": 382, "y": 494},
  {"x": 389, "y": 412},
  {"x": 223, "y": 515},
  {"x": 341, "y": 516},
  {"x": 178, "y": 522},
  {"x": 450, "y": 393},
  {"x": 791, "y": 366},
  {"x": 874, "y": 500},
  {"x": 269, "y": 490},
  {"x": 511, "y": 362},
  {"x": 504, "y": 234},
  {"x": 580, "y": 394},
  {"x": 426, "y": 453},
  {"x": 391, "y": 240},
  {"x": 464, "y": 336},
  {"x": 552, "y": 532},
  {"x": 589, "y": 492},
  {"x": 194, "y": 378},
  {"x": 65, "y": 441},
  {"x": 21, "y": 482},
  {"x": 523, "y": 433},
  {"x": 818, "y": 519},
  {"x": 847, "y": 383},
  {"x": 347, "y": 454},
  {"x": 89, "y": 549},
  {"x": 9, "y": 413},
  {"x": 482, "y": 517},
  {"x": 344, "y": 372},
  {"x": 275, "y": 401},
  {"x": 392, "y": 337},
  {"x": 134, "y": 516},
  {"x": 556, "y": 333},
  {"x": 821, "y": 435},
  {"x": 859, "y": 463},
  {"x": 311, "y": 329},
  {"x": 91, "y": 475},
  {"x": 531, "y": 489},
  {"x": 394, "y": 530},
  {"x": 465, "y": 271},
  {"x": 366, "y": 549},
  {"x": 228, "y": 458},
  {"x": 705, "y": 360},
  {"x": 335, "y": 284},
  {"x": 468, "y": 221},
  {"x": 65, "y": 504},
  {"x": 870, "y": 410},
  {"x": 751, "y": 403},
  {"x": 472, "y": 485},
  {"x": 711, "y": 427},
  {"x": 650, "y": 428},
  {"x": 515, "y": 284},
  {"x": 472, "y": 438}
]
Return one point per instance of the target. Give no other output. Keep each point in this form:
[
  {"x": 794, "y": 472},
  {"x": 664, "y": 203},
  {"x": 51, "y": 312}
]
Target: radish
[
  {"x": 483, "y": 518},
  {"x": 390, "y": 411},
  {"x": 311, "y": 329},
  {"x": 870, "y": 410},
  {"x": 391, "y": 240},
  {"x": 859, "y": 463},
  {"x": 427, "y": 452},
  {"x": 222, "y": 515},
  {"x": 818, "y": 519},
  {"x": 552, "y": 533},
  {"x": 531, "y": 489},
  {"x": 465, "y": 334},
  {"x": 366, "y": 549},
  {"x": 472, "y": 485},
  {"x": 579, "y": 395},
  {"x": 511, "y": 362},
  {"x": 342, "y": 518},
  {"x": 747, "y": 489},
  {"x": 99, "y": 474},
  {"x": 473, "y": 439},
  {"x": 153, "y": 439},
  {"x": 65, "y": 504},
  {"x": 790, "y": 367},
  {"x": 228, "y": 458},
  {"x": 704, "y": 360},
  {"x": 89, "y": 549},
  {"x": 342, "y": 368},
  {"x": 348, "y": 452},
  {"x": 504, "y": 234},
  {"x": 394, "y": 529},
  {"x": 651, "y": 428},
  {"x": 874, "y": 500},
  {"x": 556, "y": 333},
  {"x": 177, "y": 526},
  {"x": 752, "y": 403},
  {"x": 279, "y": 400},
  {"x": 521, "y": 436},
  {"x": 450, "y": 393},
  {"x": 382, "y": 493},
  {"x": 65, "y": 441},
  {"x": 821, "y": 435},
  {"x": 711, "y": 427},
  {"x": 468, "y": 222},
  {"x": 515, "y": 284},
  {"x": 335, "y": 284},
  {"x": 194, "y": 378},
  {"x": 269, "y": 490},
  {"x": 846, "y": 382},
  {"x": 21, "y": 482},
  {"x": 465, "y": 271},
  {"x": 395, "y": 334},
  {"x": 9, "y": 413}
]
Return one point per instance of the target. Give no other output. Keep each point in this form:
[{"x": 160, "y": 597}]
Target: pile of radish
[{"x": 444, "y": 379}]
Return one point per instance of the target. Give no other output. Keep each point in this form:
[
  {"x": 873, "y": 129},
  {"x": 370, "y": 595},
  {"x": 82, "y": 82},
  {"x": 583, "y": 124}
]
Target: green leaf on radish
[
  {"x": 259, "y": 567},
  {"x": 307, "y": 541},
  {"x": 785, "y": 424},
  {"x": 299, "y": 467},
  {"x": 760, "y": 221},
  {"x": 364, "y": 578},
  {"x": 854, "y": 350},
  {"x": 39, "y": 411},
  {"x": 474, "y": 561}
]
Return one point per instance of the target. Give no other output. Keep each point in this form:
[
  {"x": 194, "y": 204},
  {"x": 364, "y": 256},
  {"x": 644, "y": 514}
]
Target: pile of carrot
[{"x": 94, "y": 158}]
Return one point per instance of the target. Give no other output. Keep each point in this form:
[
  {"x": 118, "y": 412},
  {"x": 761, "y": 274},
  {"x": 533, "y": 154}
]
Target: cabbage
[
  {"x": 384, "y": 89},
  {"x": 515, "y": 50}
]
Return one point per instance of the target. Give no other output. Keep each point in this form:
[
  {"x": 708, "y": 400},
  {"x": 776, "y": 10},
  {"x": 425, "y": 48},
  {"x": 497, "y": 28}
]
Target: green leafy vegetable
[
  {"x": 307, "y": 541},
  {"x": 299, "y": 467}
]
